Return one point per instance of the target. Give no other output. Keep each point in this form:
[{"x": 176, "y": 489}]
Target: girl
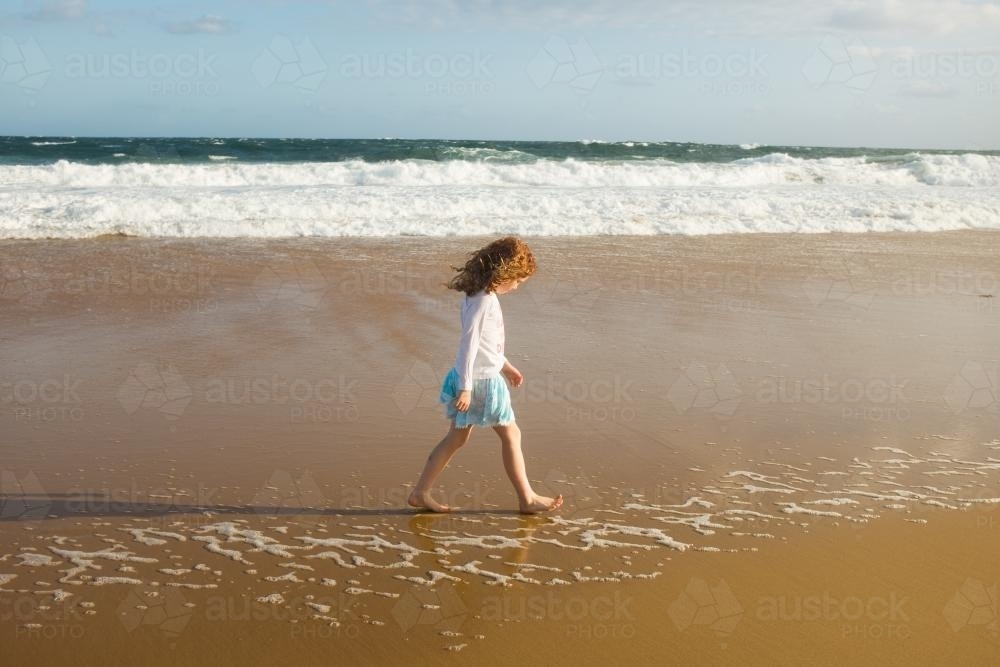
[{"x": 473, "y": 391}]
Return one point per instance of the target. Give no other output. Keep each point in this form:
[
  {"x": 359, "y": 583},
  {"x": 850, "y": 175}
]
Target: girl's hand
[
  {"x": 513, "y": 376},
  {"x": 463, "y": 400}
]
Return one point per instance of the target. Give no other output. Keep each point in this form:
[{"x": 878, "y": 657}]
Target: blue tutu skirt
[{"x": 489, "y": 405}]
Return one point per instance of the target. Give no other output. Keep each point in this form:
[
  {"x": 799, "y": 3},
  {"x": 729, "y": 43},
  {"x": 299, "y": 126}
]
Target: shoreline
[{"x": 710, "y": 406}]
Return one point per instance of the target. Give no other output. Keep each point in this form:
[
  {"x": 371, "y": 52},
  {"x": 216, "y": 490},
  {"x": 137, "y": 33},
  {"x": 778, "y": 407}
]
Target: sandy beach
[{"x": 774, "y": 449}]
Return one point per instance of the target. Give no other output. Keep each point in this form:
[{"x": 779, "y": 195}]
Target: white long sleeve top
[{"x": 481, "y": 347}]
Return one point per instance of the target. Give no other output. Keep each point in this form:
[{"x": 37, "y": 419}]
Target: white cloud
[
  {"x": 921, "y": 88},
  {"x": 57, "y": 10},
  {"x": 926, "y": 17},
  {"x": 721, "y": 18},
  {"x": 207, "y": 24}
]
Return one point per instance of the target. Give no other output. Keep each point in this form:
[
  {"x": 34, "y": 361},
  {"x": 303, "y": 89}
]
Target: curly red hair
[{"x": 505, "y": 259}]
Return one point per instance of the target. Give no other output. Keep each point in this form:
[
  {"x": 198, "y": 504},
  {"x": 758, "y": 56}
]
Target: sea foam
[{"x": 770, "y": 193}]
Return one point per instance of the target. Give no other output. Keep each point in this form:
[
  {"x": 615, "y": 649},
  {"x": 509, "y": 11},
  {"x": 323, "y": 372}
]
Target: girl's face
[{"x": 509, "y": 285}]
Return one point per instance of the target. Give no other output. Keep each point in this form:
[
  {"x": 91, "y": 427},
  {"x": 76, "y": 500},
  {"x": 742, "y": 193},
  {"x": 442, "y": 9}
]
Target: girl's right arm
[{"x": 473, "y": 319}]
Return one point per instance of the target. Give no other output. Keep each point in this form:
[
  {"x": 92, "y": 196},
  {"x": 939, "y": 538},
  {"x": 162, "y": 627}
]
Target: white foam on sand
[
  {"x": 105, "y": 581},
  {"x": 86, "y": 560},
  {"x": 35, "y": 560},
  {"x": 793, "y": 508},
  {"x": 728, "y": 509},
  {"x": 143, "y": 535},
  {"x": 433, "y": 577}
]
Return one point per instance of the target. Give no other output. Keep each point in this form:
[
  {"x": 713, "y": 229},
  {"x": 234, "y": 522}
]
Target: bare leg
[
  {"x": 513, "y": 462},
  {"x": 436, "y": 463}
]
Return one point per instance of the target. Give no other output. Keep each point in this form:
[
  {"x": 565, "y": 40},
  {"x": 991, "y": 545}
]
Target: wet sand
[{"x": 774, "y": 449}]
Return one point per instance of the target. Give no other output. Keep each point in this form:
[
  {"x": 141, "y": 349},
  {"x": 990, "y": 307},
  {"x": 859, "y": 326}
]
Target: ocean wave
[
  {"x": 771, "y": 193},
  {"x": 968, "y": 170},
  {"x": 278, "y": 211}
]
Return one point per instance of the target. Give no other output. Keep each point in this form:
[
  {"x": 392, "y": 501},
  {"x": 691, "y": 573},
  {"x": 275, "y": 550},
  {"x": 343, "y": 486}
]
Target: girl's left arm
[{"x": 513, "y": 375}]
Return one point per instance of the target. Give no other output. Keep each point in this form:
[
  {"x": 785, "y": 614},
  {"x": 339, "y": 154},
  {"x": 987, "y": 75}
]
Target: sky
[{"x": 892, "y": 73}]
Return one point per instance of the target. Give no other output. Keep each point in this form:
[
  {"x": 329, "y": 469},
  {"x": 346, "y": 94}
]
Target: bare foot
[
  {"x": 424, "y": 501},
  {"x": 542, "y": 504}
]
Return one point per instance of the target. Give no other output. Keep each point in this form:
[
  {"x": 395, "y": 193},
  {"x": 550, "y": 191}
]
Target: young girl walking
[{"x": 473, "y": 391}]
